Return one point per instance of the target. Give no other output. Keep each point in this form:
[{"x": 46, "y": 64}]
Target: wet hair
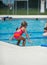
[
  {"x": 4, "y": 18},
  {"x": 24, "y": 23},
  {"x": 36, "y": 18},
  {"x": 45, "y": 28}
]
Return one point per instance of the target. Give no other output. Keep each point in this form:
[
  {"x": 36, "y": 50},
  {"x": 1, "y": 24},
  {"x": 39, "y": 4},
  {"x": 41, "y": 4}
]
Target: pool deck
[
  {"x": 15, "y": 55},
  {"x": 25, "y": 16}
]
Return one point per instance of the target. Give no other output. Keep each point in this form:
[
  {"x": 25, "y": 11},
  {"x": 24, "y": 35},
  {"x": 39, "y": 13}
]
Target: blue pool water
[{"x": 35, "y": 30}]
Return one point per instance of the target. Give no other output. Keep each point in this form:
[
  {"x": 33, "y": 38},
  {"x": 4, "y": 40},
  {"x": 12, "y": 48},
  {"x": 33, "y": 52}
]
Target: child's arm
[
  {"x": 27, "y": 36},
  {"x": 11, "y": 38}
]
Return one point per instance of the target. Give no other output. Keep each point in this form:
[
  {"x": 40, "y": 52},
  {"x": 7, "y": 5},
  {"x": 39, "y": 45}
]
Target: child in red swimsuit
[{"x": 18, "y": 34}]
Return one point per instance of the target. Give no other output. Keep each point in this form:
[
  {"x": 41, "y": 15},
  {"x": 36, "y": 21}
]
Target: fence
[{"x": 22, "y": 7}]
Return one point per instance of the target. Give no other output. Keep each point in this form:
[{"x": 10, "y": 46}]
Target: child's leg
[
  {"x": 24, "y": 42},
  {"x": 18, "y": 42},
  {"x": 22, "y": 38}
]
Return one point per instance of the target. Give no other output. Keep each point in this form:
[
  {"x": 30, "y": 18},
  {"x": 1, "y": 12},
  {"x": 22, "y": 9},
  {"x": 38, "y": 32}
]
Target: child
[{"x": 18, "y": 34}]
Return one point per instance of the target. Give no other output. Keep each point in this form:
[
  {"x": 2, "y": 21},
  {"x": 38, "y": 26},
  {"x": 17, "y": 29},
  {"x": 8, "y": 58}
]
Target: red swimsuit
[{"x": 18, "y": 34}]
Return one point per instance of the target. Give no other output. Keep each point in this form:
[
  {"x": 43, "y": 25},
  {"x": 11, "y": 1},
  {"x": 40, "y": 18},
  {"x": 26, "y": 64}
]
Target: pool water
[{"x": 35, "y": 30}]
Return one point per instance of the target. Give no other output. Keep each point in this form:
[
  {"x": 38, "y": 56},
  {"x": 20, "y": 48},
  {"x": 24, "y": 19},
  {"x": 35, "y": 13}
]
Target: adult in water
[
  {"x": 45, "y": 30},
  {"x": 18, "y": 34}
]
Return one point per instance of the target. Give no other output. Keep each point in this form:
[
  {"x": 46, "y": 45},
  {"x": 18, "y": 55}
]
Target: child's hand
[
  {"x": 29, "y": 41},
  {"x": 10, "y": 38}
]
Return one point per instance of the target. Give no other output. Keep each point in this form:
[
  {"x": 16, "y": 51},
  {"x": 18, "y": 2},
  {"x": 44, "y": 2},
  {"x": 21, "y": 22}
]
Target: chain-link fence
[{"x": 22, "y": 7}]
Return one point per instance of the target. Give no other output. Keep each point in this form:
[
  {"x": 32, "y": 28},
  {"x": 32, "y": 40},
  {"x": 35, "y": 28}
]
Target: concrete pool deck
[{"x": 15, "y": 55}]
